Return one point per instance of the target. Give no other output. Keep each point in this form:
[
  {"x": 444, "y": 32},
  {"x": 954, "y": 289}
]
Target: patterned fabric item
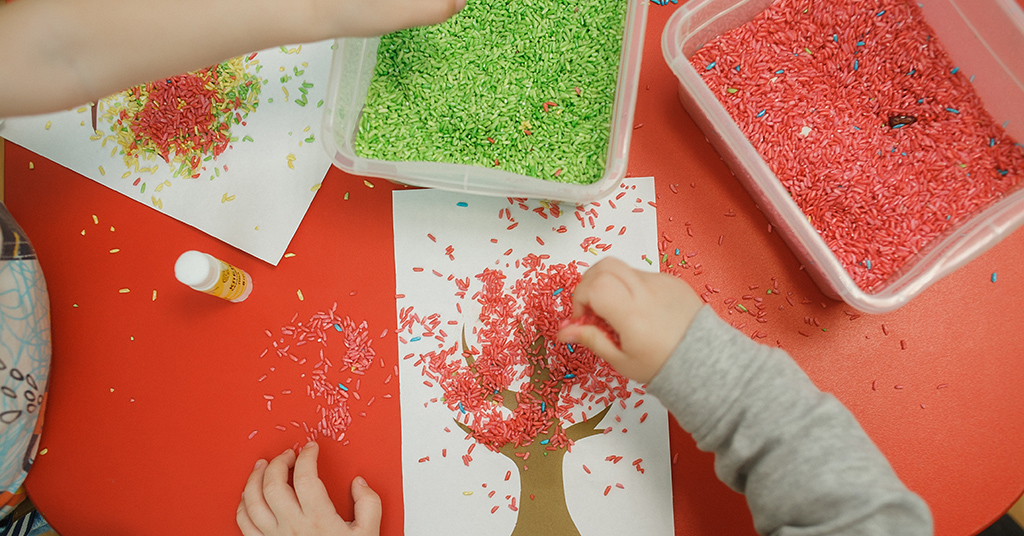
[
  {"x": 32, "y": 524},
  {"x": 24, "y": 358}
]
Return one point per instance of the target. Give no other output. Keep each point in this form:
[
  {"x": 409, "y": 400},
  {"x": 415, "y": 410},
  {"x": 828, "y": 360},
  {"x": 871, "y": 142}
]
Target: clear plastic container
[
  {"x": 352, "y": 69},
  {"x": 983, "y": 37}
]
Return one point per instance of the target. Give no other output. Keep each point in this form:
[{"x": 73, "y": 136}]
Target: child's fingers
[
  {"x": 367, "y": 507},
  {"x": 593, "y": 338},
  {"x": 257, "y": 510},
  {"x": 608, "y": 293},
  {"x": 245, "y": 523},
  {"x": 437, "y": 11},
  {"x": 309, "y": 489},
  {"x": 278, "y": 494},
  {"x": 409, "y": 14},
  {"x": 581, "y": 295}
]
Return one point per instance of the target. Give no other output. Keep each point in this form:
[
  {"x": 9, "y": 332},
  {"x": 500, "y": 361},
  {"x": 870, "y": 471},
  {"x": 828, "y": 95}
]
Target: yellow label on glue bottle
[{"x": 208, "y": 274}]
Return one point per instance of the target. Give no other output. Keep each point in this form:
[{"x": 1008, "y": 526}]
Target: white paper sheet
[
  {"x": 442, "y": 493},
  {"x": 255, "y": 199}
]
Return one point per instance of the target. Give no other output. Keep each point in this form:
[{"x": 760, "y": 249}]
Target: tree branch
[
  {"x": 465, "y": 428},
  {"x": 465, "y": 349},
  {"x": 588, "y": 427},
  {"x": 508, "y": 449}
]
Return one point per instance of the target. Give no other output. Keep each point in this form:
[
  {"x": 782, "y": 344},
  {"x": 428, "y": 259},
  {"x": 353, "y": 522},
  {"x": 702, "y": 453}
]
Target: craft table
[{"x": 154, "y": 391}]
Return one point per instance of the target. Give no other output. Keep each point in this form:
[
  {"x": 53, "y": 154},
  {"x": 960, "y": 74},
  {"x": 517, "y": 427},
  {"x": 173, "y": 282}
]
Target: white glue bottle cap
[{"x": 208, "y": 274}]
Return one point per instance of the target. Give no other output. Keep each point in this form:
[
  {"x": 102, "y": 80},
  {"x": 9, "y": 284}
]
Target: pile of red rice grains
[
  {"x": 878, "y": 137},
  {"x": 337, "y": 374},
  {"x": 186, "y": 120},
  {"x": 507, "y": 379}
]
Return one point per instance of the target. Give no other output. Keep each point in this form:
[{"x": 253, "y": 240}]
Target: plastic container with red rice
[{"x": 885, "y": 229}]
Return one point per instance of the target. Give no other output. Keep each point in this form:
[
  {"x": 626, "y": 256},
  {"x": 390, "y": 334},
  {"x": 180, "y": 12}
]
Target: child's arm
[
  {"x": 272, "y": 507},
  {"x": 802, "y": 460},
  {"x": 56, "y": 54}
]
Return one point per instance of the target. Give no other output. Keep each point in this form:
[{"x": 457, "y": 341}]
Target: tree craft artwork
[
  {"x": 333, "y": 386},
  {"x": 185, "y": 120},
  {"x": 513, "y": 388}
]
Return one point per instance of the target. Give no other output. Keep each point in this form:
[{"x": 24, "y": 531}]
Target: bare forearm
[
  {"x": 56, "y": 54},
  {"x": 59, "y": 53}
]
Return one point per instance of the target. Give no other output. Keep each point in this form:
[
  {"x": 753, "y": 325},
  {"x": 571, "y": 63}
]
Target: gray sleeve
[{"x": 800, "y": 457}]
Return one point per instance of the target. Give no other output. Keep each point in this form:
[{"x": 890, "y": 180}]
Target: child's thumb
[{"x": 367, "y": 505}]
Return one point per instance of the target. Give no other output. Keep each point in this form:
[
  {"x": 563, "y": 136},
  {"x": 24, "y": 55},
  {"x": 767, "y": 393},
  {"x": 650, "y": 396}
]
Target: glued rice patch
[
  {"x": 515, "y": 381},
  {"x": 334, "y": 382},
  {"x": 185, "y": 119}
]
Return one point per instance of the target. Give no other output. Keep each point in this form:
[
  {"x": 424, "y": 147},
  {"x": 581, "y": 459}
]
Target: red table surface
[{"x": 151, "y": 400}]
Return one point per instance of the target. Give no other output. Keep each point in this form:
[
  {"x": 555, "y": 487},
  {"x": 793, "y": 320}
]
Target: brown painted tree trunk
[{"x": 542, "y": 508}]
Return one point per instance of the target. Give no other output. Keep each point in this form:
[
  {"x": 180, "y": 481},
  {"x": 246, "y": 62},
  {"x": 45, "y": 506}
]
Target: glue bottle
[{"x": 208, "y": 274}]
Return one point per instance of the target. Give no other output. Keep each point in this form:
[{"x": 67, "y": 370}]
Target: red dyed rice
[
  {"x": 814, "y": 93},
  {"x": 356, "y": 356},
  {"x": 516, "y": 315}
]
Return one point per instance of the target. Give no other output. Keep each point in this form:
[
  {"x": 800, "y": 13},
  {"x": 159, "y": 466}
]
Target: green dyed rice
[{"x": 438, "y": 93}]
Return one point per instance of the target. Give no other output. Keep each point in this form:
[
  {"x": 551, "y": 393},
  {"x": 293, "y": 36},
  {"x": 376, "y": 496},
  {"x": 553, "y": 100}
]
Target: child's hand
[
  {"x": 270, "y": 507},
  {"x": 650, "y": 312},
  {"x": 365, "y": 18}
]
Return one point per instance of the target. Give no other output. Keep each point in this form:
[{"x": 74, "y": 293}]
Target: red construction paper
[{"x": 945, "y": 410}]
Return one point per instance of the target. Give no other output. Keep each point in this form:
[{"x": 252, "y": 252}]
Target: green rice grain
[{"x": 438, "y": 93}]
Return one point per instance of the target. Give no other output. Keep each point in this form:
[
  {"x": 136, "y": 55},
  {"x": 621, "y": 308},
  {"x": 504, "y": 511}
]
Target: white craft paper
[
  {"x": 443, "y": 494},
  {"x": 256, "y": 204}
]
